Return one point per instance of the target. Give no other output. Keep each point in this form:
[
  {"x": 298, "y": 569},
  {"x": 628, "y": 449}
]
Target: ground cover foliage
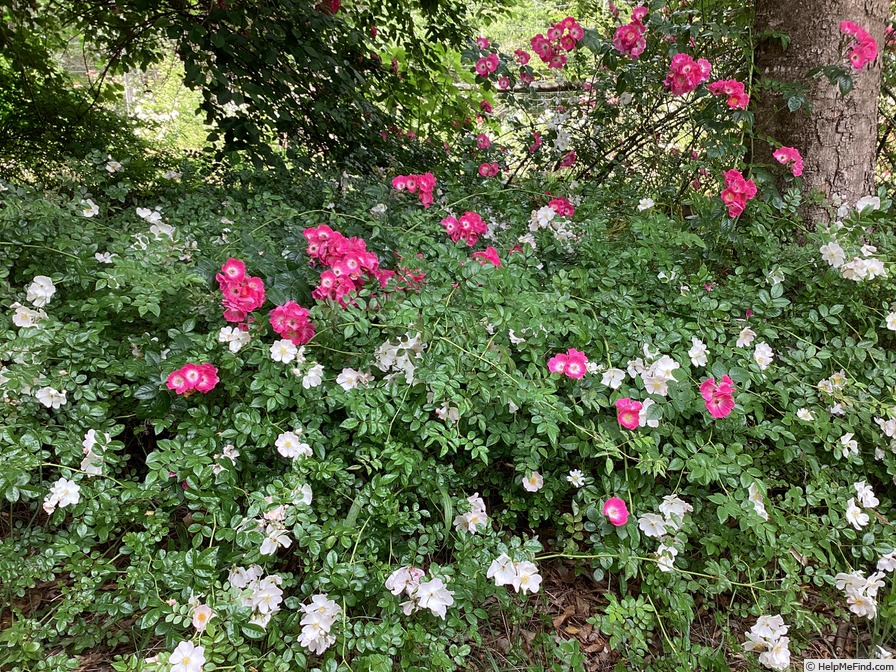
[{"x": 347, "y": 419}]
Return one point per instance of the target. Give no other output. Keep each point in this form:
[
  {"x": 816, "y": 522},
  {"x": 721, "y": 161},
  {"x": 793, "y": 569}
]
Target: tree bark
[{"x": 838, "y": 138}]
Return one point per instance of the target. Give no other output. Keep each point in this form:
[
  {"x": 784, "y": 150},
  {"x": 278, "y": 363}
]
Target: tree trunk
[{"x": 838, "y": 138}]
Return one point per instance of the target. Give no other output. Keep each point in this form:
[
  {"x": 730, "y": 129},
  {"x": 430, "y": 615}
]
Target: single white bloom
[
  {"x": 643, "y": 420},
  {"x": 883, "y": 654},
  {"x": 663, "y": 367},
  {"x": 862, "y": 605},
  {"x": 656, "y": 384},
  {"x": 404, "y": 579},
  {"x": 314, "y": 377},
  {"x": 161, "y": 229},
  {"x": 652, "y": 525},
  {"x": 502, "y": 570},
  {"x": 50, "y": 398},
  {"x": 276, "y": 537},
  {"x": 63, "y": 493},
  {"x": 770, "y": 627},
  {"x": 150, "y": 216},
  {"x": 187, "y": 657},
  {"x": 763, "y": 355},
  {"x": 775, "y": 277},
  {"x": 448, "y": 413},
  {"x": 755, "y": 497},
  {"x": 865, "y": 495},
  {"x": 202, "y": 614},
  {"x": 576, "y": 478},
  {"x": 25, "y": 317},
  {"x": 112, "y": 166},
  {"x": 533, "y": 482},
  {"x": 745, "y": 338},
  {"x": 41, "y": 290},
  {"x": 887, "y": 563},
  {"x": 645, "y": 204},
  {"x": 378, "y": 210},
  {"x": 805, "y": 415},
  {"x": 698, "y": 352},
  {"x": 289, "y": 445},
  {"x": 529, "y": 240},
  {"x": 778, "y": 656},
  {"x": 516, "y": 340},
  {"x": 89, "y": 208},
  {"x": 891, "y": 321},
  {"x": 527, "y": 579},
  {"x": 349, "y": 379},
  {"x": 870, "y": 203},
  {"x": 304, "y": 495},
  {"x": 666, "y": 557},
  {"x": 433, "y": 595},
  {"x": 848, "y": 445},
  {"x": 104, "y": 257},
  {"x": 613, "y": 378},
  {"x": 833, "y": 254},
  {"x": 855, "y": 516},
  {"x": 283, "y": 351},
  {"x": 673, "y": 507}
]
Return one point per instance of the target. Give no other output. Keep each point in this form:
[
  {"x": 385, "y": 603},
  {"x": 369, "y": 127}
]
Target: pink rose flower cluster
[
  {"x": 487, "y": 65},
  {"x": 489, "y": 169},
  {"x": 629, "y": 39},
  {"x": 422, "y": 184},
  {"x": 562, "y": 36},
  {"x": 468, "y": 228},
  {"x": 737, "y": 192},
  {"x": 790, "y": 156},
  {"x": 628, "y": 412},
  {"x": 572, "y": 364},
  {"x": 719, "y": 397},
  {"x": 685, "y": 74},
  {"x": 193, "y": 377},
  {"x": 483, "y": 141},
  {"x": 291, "y": 322},
  {"x": 242, "y": 293},
  {"x": 734, "y": 90},
  {"x": 490, "y": 255},
  {"x": 562, "y": 206},
  {"x": 348, "y": 259},
  {"x": 864, "y": 49}
]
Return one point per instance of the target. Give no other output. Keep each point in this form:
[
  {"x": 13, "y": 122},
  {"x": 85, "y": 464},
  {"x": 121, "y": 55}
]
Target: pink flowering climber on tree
[
  {"x": 628, "y": 412},
  {"x": 790, "y": 156},
  {"x": 685, "y": 74},
  {"x": 733, "y": 90},
  {"x": 737, "y": 192},
  {"x": 616, "y": 510},
  {"x": 864, "y": 49},
  {"x": 718, "y": 397},
  {"x": 629, "y": 40}
]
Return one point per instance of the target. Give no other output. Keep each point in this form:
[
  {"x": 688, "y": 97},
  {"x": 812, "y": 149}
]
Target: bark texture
[{"x": 838, "y": 139}]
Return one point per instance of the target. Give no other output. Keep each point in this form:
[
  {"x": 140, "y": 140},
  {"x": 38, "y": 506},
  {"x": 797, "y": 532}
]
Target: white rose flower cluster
[
  {"x": 474, "y": 518},
  {"x": 317, "y": 622},
  {"x": 674, "y": 509},
  {"x": 399, "y": 357},
  {"x": 767, "y": 638},
  {"x": 349, "y": 379},
  {"x": 230, "y": 453},
  {"x": 523, "y": 576},
  {"x": 755, "y": 498},
  {"x": 866, "y": 499},
  {"x": 861, "y": 592},
  {"x": 63, "y": 493},
  {"x": 262, "y": 594},
  {"x": 432, "y": 595},
  {"x": 861, "y": 267},
  {"x": 235, "y": 338},
  {"x": 39, "y": 293},
  {"x": 655, "y": 376},
  {"x": 547, "y": 218},
  {"x": 94, "y": 458}
]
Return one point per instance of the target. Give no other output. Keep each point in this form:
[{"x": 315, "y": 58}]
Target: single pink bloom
[
  {"x": 557, "y": 363},
  {"x": 177, "y": 382},
  {"x": 616, "y": 510},
  {"x": 482, "y": 42},
  {"x": 628, "y": 412},
  {"x": 576, "y": 363},
  {"x": 719, "y": 398},
  {"x": 490, "y": 255}
]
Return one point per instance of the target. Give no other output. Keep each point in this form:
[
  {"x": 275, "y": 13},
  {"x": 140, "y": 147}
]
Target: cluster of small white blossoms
[
  {"x": 763, "y": 354},
  {"x": 866, "y": 499},
  {"x": 698, "y": 352},
  {"x": 236, "y": 338},
  {"x": 229, "y": 453},
  {"x": 272, "y": 524},
  {"x": 447, "y": 411},
  {"x": 94, "y": 458},
  {"x": 654, "y": 525},
  {"x": 655, "y": 376},
  {"x": 317, "y": 622},
  {"x": 861, "y": 592},
  {"x": 830, "y": 386},
  {"x": 261, "y": 594},
  {"x": 63, "y": 493},
  {"x": 547, "y": 218},
  {"x": 349, "y": 379},
  {"x": 523, "y": 576},
  {"x": 888, "y": 427},
  {"x": 39, "y": 293},
  {"x": 283, "y": 351},
  {"x": 863, "y": 266},
  {"x": 399, "y": 357},
  {"x": 474, "y": 518},
  {"x": 432, "y": 594},
  {"x": 767, "y": 638},
  {"x": 157, "y": 225}
]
